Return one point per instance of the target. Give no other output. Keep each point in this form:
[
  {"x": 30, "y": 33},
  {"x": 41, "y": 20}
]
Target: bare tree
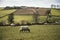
[
  {"x": 36, "y": 17},
  {"x": 48, "y": 15}
]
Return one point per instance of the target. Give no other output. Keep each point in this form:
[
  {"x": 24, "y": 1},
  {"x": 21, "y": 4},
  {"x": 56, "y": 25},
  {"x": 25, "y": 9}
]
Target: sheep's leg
[
  {"x": 25, "y": 30},
  {"x": 29, "y": 30},
  {"x": 20, "y": 30}
]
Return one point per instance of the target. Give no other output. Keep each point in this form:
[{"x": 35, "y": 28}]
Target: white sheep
[
  {"x": 12, "y": 24},
  {"x": 24, "y": 28}
]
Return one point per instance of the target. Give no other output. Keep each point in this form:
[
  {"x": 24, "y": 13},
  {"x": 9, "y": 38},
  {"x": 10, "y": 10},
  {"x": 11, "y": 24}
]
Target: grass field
[
  {"x": 5, "y": 12},
  {"x": 20, "y": 18},
  {"x": 38, "y": 32},
  {"x": 42, "y": 18},
  {"x": 55, "y": 12},
  {"x": 27, "y": 18}
]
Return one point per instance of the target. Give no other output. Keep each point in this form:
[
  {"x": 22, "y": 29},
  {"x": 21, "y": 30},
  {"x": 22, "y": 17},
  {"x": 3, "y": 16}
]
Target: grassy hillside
[
  {"x": 38, "y": 32},
  {"x": 27, "y": 18},
  {"x": 5, "y": 12},
  {"x": 55, "y": 12}
]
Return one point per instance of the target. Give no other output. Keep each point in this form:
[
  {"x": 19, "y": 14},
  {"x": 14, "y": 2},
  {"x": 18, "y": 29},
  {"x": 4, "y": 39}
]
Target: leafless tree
[{"x": 36, "y": 17}]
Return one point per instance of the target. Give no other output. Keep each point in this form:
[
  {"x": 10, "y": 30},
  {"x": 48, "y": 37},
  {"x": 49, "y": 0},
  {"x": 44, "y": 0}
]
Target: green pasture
[
  {"x": 5, "y": 12},
  {"x": 55, "y": 12},
  {"x": 28, "y": 18},
  {"x": 42, "y": 18},
  {"x": 18, "y": 18},
  {"x": 38, "y": 32},
  {"x": 4, "y": 19}
]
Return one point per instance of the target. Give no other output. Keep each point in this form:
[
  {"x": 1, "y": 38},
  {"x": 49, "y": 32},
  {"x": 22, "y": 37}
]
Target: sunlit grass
[
  {"x": 55, "y": 12},
  {"x": 38, "y": 32},
  {"x": 20, "y": 18},
  {"x": 42, "y": 18},
  {"x": 5, "y": 12},
  {"x": 4, "y": 18}
]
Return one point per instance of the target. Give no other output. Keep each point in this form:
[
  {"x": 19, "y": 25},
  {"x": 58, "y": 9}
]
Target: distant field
[
  {"x": 55, "y": 12},
  {"x": 38, "y": 32},
  {"x": 4, "y": 19},
  {"x": 5, "y": 12},
  {"x": 27, "y": 18},
  {"x": 42, "y": 18},
  {"x": 18, "y": 18}
]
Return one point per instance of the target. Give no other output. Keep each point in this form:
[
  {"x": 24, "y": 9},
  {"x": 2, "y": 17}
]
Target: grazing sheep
[
  {"x": 12, "y": 24},
  {"x": 24, "y": 28}
]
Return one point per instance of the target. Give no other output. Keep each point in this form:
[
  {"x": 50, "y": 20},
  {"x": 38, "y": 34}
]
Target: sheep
[
  {"x": 24, "y": 28},
  {"x": 12, "y": 24}
]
